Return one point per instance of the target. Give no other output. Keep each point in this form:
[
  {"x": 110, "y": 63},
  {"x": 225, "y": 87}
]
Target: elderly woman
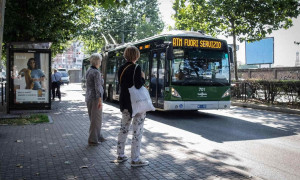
[{"x": 93, "y": 98}]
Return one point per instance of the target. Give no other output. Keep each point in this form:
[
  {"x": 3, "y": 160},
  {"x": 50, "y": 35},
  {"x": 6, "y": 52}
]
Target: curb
[
  {"x": 268, "y": 108},
  {"x": 22, "y": 113},
  {"x": 50, "y": 119},
  {"x": 8, "y": 116}
]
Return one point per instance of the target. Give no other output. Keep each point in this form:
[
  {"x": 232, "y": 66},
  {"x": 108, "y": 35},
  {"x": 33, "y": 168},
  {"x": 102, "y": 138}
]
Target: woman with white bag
[{"x": 130, "y": 74}]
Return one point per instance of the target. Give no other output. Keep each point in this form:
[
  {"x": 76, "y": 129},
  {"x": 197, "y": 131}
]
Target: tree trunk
[
  {"x": 2, "y": 10},
  {"x": 234, "y": 51}
]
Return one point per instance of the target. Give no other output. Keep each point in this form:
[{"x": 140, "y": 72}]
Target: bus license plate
[{"x": 201, "y": 106}]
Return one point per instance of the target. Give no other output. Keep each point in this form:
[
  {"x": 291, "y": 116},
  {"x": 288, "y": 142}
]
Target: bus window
[
  {"x": 200, "y": 67},
  {"x": 161, "y": 74},
  {"x": 111, "y": 69},
  {"x": 144, "y": 63},
  {"x": 223, "y": 69},
  {"x": 153, "y": 78},
  {"x": 157, "y": 78},
  {"x": 177, "y": 65}
]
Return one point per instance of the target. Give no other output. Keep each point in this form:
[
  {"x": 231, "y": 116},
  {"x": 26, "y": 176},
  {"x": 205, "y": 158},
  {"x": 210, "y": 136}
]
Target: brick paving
[{"x": 59, "y": 150}]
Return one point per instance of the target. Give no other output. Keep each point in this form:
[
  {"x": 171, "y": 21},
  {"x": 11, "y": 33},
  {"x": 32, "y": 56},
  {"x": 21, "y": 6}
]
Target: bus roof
[
  {"x": 170, "y": 34},
  {"x": 174, "y": 33}
]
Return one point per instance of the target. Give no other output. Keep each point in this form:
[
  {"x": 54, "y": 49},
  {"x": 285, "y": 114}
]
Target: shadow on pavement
[
  {"x": 283, "y": 121},
  {"x": 169, "y": 158},
  {"x": 60, "y": 150}
]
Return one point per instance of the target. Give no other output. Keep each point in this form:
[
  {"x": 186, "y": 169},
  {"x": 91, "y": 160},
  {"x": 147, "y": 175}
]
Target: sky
[{"x": 166, "y": 10}]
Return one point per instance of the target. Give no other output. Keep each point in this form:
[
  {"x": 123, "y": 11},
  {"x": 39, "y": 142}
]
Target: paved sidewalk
[{"x": 59, "y": 150}]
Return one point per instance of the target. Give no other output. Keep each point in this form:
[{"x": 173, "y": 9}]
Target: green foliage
[
  {"x": 248, "y": 19},
  {"x": 268, "y": 91},
  {"x": 38, "y": 118},
  {"x": 128, "y": 22},
  {"x": 187, "y": 19},
  {"x": 33, "y": 119},
  {"x": 147, "y": 29},
  {"x": 56, "y": 21}
]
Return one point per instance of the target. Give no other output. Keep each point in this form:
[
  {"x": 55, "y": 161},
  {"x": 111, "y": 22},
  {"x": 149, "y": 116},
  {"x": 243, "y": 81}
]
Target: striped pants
[{"x": 137, "y": 128}]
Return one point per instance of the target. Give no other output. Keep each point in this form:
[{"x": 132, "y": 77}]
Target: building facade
[{"x": 71, "y": 59}]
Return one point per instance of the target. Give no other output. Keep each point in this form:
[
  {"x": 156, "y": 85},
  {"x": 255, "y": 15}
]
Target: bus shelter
[{"x": 29, "y": 75}]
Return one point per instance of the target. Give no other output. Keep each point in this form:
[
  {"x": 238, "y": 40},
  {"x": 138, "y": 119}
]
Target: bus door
[{"x": 157, "y": 80}]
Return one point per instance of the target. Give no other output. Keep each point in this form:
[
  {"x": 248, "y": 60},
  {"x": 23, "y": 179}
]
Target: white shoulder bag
[{"x": 140, "y": 99}]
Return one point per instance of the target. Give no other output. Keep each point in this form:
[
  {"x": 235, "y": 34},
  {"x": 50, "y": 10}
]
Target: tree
[
  {"x": 137, "y": 20},
  {"x": 56, "y": 21},
  {"x": 243, "y": 20},
  {"x": 2, "y": 10}
]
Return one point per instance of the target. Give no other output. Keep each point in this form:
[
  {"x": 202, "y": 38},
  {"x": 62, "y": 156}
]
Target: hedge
[{"x": 269, "y": 91}]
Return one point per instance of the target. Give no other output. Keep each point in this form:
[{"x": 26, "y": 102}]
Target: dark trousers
[{"x": 56, "y": 86}]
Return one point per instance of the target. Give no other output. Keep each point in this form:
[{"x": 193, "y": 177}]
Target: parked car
[
  {"x": 62, "y": 70},
  {"x": 65, "y": 78}
]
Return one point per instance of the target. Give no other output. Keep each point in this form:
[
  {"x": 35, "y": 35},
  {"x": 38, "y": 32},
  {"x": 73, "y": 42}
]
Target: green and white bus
[{"x": 184, "y": 70}]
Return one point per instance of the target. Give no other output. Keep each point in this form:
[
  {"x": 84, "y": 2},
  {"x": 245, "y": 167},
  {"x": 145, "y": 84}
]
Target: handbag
[
  {"x": 119, "y": 86},
  {"x": 140, "y": 99}
]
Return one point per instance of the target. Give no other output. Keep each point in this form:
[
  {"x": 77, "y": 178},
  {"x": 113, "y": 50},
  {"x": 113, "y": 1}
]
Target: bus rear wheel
[{"x": 110, "y": 93}]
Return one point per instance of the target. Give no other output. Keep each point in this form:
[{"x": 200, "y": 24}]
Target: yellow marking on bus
[
  {"x": 177, "y": 41},
  {"x": 186, "y": 42}
]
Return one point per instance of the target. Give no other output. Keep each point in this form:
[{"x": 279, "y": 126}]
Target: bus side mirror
[
  {"x": 169, "y": 52},
  {"x": 230, "y": 52}
]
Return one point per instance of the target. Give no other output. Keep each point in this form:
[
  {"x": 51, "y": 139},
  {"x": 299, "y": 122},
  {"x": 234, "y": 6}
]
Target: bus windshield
[{"x": 200, "y": 67}]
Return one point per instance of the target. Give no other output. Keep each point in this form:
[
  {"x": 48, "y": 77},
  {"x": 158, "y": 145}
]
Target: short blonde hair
[
  {"x": 131, "y": 53},
  {"x": 95, "y": 59}
]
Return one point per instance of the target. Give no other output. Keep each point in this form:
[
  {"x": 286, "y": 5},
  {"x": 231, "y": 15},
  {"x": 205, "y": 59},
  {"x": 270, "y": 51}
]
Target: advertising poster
[
  {"x": 260, "y": 52},
  {"x": 30, "y": 75}
]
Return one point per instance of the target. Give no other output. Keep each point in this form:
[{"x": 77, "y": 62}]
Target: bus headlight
[
  {"x": 175, "y": 93},
  {"x": 227, "y": 93}
]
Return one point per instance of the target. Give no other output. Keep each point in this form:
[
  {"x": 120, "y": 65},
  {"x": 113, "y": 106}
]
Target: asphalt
[
  {"x": 282, "y": 109},
  {"x": 59, "y": 149}
]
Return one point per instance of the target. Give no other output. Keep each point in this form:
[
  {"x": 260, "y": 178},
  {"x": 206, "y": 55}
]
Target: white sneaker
[{"x": 139, "y": 163}]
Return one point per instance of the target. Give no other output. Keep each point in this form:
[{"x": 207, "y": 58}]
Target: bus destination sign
[{"x": 197, "y": 43}]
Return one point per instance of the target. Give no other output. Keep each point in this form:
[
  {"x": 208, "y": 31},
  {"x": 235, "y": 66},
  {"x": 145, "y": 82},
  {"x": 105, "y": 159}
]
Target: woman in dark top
[{"x": 125, "y": 75}]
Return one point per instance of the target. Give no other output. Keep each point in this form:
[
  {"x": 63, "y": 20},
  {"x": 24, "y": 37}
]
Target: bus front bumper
[{"x": 196, "y": 105}]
